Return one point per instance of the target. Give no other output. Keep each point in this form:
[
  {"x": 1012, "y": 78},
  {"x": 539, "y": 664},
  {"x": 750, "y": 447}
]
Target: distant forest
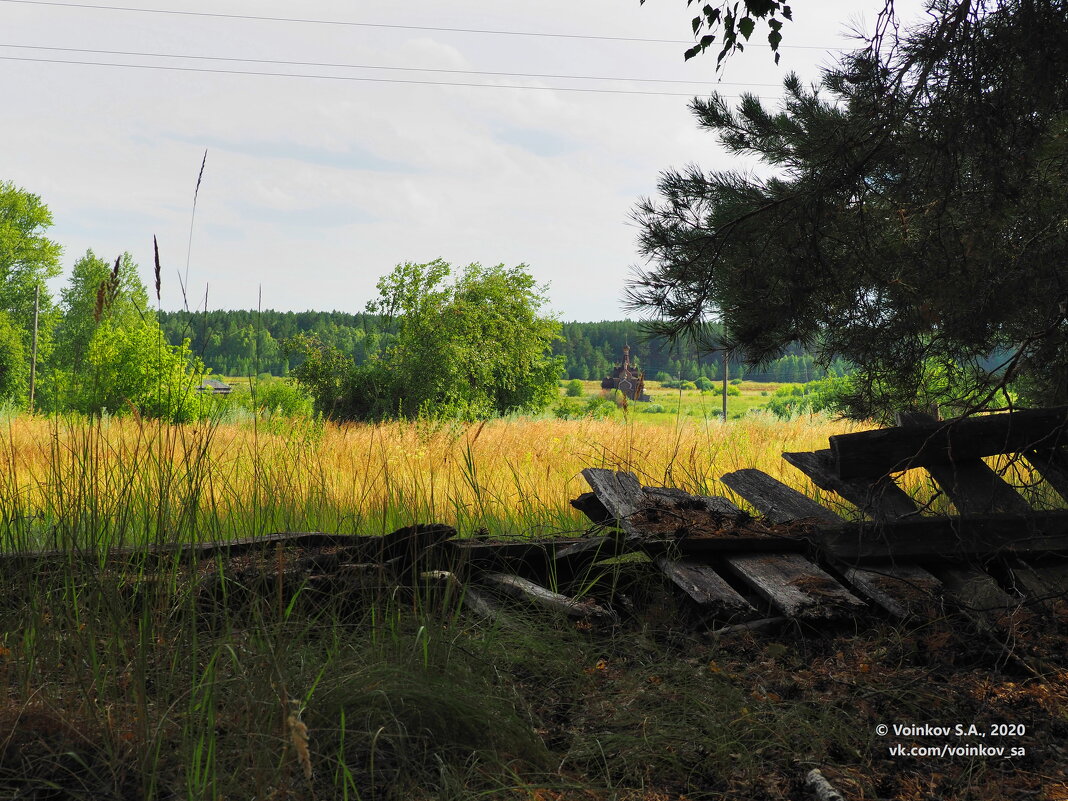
[{"x": 241, "y": 343}]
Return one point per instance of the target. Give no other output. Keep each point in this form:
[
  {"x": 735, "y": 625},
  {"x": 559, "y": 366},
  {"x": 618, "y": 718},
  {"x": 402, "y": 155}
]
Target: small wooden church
[{"x": 626, "y": 379}]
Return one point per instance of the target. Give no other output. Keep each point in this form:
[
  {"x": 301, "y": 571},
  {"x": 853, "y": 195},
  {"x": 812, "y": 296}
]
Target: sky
[{"x": 315, "y": 187}]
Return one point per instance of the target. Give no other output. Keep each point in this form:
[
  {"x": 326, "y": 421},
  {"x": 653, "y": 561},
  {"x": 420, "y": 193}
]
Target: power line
[
  {"x": 308, "y": 21},
  {"x": 349, "y": 77},
  {"x": 379, "y": 66}
]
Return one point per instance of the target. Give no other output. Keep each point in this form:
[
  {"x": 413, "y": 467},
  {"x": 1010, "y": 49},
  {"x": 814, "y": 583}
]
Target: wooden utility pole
[
  {"x": 33, "y": 354},
  {"x": 726, "y": 358}
]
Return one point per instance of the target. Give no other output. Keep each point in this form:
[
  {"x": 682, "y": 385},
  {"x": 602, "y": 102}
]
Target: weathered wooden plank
[
  {"x": 707, "y": 588},
  {"x": 522, "y": 588},
  {"x": 795, "y": 586},
  {"x": 975, "y": 489},
  {"x": 589, "y": 505},
  {"x": 1052, "y": 465},
  {"x": 619, "y": 492},
  {"x": 902, "y": 590},
  {"x": 969, "y": 482},
  {"x": 872, "y": 454},
  {"x": 776, "y": 501},
  {"x": 1040, "y": 584},
  {"x": 677, "y": 497},
  {"x": 974, "y": 589},
  {"x": 696, "y": 546},
  {"x": 881, "y": 500},
  {"x": 1038, "y": 533}
]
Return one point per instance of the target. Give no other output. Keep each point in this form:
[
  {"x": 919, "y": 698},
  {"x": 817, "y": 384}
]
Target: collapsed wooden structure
[{"x": 998, "y": 561}]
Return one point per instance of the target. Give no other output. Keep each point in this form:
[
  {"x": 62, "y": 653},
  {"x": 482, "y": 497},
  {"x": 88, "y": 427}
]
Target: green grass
[{"x": 690, "y": 403}]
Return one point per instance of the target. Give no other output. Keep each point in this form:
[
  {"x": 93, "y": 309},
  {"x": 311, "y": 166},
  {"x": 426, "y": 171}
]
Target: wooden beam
[
  {"x": 773, "y": 499},
  {"x": 1038, "y": 533},
  {"x": 707, "y": 588},
  {"x": 1052, "y": 465},
  {"x": 795, "y": 586},
  {"x": 881, "y": 499},
  {"x": 902, "y": 590},
  {"x": 1041, "y": 584},
  {"x": 873, "y": 454}
]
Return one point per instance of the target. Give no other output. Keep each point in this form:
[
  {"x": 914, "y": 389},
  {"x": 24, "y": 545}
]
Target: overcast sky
[{"x": 314, "y": 187}]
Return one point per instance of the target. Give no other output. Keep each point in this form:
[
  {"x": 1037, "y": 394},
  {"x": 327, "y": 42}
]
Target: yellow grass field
[{"x": 122, "y": 480}]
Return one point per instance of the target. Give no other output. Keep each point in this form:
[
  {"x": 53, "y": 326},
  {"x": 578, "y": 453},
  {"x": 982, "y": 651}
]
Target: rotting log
[
  {"x": 750, "y": 625},
  {"x": 707, "y": 589},
  {"x": 872, "y": 454},
  {"x": 524, "y": 589},
  {"x": 795, "y": 586},
  {"x": 471, "y": 598}
]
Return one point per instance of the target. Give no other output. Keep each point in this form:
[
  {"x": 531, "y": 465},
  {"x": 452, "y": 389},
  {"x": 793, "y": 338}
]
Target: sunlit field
[{"x": 128, "y": 481}]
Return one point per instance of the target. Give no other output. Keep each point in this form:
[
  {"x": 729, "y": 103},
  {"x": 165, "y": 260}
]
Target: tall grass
[{"x": 127, "y": 481}]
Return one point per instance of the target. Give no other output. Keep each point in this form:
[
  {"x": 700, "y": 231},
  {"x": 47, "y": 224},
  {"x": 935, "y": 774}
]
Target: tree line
[{"x": 241, "y": 343}]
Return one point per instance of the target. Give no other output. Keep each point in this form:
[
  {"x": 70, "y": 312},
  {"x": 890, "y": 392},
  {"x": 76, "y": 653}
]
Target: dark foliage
[{"x": 912, "y": 221}]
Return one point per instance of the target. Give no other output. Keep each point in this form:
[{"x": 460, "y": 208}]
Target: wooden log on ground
[
  {"x": 707, "y": 589},
  {"x": 795, "y": 586},
  {"x": 776, "y": 501},
  {"x": 470, "y": 597},
  {"x": 752, "y": 625},
  {"x": 881, "y": 500},
  {"x": 821, "y": 789},
  {"x": 524, "y": 589},
  {"x": 872, "y": 454}
]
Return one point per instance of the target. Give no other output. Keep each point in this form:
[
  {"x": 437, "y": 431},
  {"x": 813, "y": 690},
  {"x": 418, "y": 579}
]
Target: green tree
[
  {"x": 27, "y": 260},
  {"x": 111, "y": 354},
  {"x": 14, "y": 367},
  {"x": 910, "y": 221},
  {"x": 471, "y": 346}
]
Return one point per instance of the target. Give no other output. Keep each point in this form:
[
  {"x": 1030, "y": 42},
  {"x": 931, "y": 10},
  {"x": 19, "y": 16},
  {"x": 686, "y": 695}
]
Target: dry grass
[{"x": 143, "y": 480}]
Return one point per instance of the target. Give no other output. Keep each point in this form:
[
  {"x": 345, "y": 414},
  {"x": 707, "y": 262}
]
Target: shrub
[
  {"x": 704, "y": 384},
  {"x": 733, "y": 390},
  {"x": 574, "y": 389},
  {"x": 654, "y": 408}
]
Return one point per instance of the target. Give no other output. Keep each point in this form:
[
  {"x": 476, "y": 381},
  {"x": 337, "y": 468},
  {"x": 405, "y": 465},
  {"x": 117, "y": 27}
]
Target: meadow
[{"x": 120, "y": 683}]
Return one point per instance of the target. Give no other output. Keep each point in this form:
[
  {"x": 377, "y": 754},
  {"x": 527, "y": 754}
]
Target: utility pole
[
  {"x": 726, "y": 359},
  {"x": 33, "y": 356}
]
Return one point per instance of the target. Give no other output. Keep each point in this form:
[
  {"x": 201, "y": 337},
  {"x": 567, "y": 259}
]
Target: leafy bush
[
  {"x": 574, "y": 389},
  {"x": 654, "y": 408},
  {"x": 815, "y": 396},
  {"x": 679, "y": 384},
  {"x": 733, "y": 390},
  {"x": 662, "y": 377},
  {"x": 281, "y": 398},
  {"x": 704, "y": 383}
]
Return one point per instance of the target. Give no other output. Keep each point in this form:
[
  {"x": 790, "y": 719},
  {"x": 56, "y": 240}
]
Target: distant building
[
  {"x": 215, "y": 387},
  {"x": 626, "y": 379}
]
